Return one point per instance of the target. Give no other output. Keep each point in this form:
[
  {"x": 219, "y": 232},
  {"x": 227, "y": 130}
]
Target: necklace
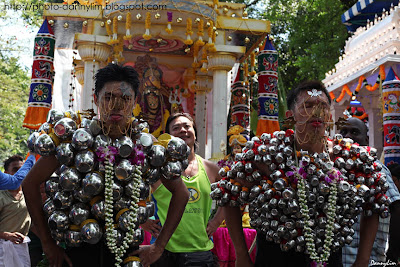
[{"x": 189, "y": 175}]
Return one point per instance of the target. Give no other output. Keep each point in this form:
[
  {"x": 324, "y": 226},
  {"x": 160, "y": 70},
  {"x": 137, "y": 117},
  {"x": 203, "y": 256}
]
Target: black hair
[
  {"x": 172, "y": 117},
  {"x": 116, "y": 73},
  {"x": 307, "y": 85},
  {"x": 394, "y": 169},
  {"x": 11, "y": 160}
]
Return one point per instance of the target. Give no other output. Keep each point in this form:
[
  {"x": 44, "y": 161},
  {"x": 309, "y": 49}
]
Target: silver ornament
[
  {"x": 93, "y": 183},
  {"x": 65, "y": 153},
  {"x": 85, "y": 161},
  {"x": 65, "y": 128},
  {"x": 91, "y": 231},
  {"x": 70, "y": 179},
  {"x": 82, "y": 139},
  {"x": 79, "y": 213}
]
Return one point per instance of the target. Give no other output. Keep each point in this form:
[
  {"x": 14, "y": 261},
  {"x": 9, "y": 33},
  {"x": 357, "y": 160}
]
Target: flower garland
[
  {"x": 169, "y": 29},
  {"x": 128, "y": 23},
  {"x": 189, "y": 32},
  {"x": 147, "y": 24},
  {"x": 301, "y": 185},
  {"x": 108, "y": 155}
]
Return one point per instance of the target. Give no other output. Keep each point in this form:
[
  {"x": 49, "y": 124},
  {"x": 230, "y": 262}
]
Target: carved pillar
[
  {"x": 220, "y": 63},
  {"x": 92, "y": 54},
  {"x": 372, "y": 105},
  {"x": 204, "y": 83}
]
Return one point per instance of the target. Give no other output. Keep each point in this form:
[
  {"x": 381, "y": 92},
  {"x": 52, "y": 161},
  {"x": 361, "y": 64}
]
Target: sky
[{"x": 15, "y": 30}]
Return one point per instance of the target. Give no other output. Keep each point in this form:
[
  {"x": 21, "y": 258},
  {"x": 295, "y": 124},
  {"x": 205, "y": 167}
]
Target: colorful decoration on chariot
[
  {"x": 147, "y": 24},
  {"x": 391, "y": 118},
  {"x": 200, "y": 31},
  {"x": 236, "y": 142},
  {"x": 362, "y": 82},
  {"x": 169, "y": 29},
  {"x": 356, "y": 112},
  {"x": 128, "y": 24},
  {"x": 152, "y": 105},
  {"x": 189, "y": 31},
  {"x": 102, "y": 190},
  {"x": 306, "y": 202},
  {"x": 267, "y": 89},
  {"x": 210, "y": 44},
  {"x": 40, "y": 95},
  {"x": 175, "y": 99},
  {"x": 240, "y": 103},
  {"x": 204, "y": 61}
]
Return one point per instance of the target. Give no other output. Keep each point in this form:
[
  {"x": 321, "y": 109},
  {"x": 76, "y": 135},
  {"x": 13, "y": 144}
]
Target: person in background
[
  {"x": 13, "y": 181},
  {"x": 14, "y": 221},
  {"x": 190, "y": 245},
  {"x": 393, "y": 253},
  {"x": 358, "y": 131}
]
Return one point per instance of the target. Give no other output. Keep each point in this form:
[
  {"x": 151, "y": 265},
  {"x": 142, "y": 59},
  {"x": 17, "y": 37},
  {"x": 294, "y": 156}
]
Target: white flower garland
[
  {"x": 308, "y": 232},
  {"x": 110, "y": 234}
]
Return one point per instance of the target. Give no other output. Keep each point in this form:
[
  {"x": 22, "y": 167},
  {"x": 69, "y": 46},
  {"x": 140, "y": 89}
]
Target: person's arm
[
  {"x": 180, "y": 196},
  {"x": 368, "y": 229},
  {"x": 215, "y": 222},
  {"x": 40, "y": 172},
  {"x": 212, "y": 172},
  {"x": 12, "y": 182},
  {"x": 394, "y": 232},
  {"x": 233, "y": 217}
]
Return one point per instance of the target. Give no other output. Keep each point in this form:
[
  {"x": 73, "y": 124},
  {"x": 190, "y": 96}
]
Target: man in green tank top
[{"x": 190, "y": 244}]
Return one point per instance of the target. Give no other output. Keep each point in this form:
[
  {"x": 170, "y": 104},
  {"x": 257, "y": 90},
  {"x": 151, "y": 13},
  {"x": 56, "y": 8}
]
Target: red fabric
[
  {"x": 224, "y": 249},
  {"x": 147, "y": 238}
]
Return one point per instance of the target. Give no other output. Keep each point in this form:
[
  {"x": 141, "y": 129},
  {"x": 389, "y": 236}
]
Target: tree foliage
[
  {"x": 308, "y": 35},
  {"x": 14, "y": 91}
]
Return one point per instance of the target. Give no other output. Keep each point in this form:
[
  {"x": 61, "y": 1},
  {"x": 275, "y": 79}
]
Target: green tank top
[{"x": 191, "y": 234}]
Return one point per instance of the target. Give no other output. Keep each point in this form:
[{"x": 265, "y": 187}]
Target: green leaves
[{"x": 14, "y": 92}]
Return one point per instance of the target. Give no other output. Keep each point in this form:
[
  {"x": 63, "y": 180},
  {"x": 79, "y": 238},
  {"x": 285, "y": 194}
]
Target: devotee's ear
[{"x": 289, "y": 113}]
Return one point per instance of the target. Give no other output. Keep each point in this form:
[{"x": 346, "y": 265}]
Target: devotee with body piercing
[
  {"x": 190, "y": 244},
  {"x": 292, "y": 241},
  {"x": 357, "y": 131},
  {"x": 115, "y": 93}
]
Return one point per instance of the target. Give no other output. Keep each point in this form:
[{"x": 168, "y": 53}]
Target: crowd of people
[{"x": 182, "y": 227}]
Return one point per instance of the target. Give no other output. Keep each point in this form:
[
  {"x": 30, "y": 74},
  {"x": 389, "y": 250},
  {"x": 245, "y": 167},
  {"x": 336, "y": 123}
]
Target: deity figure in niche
[{"x": 153, "y": 105}]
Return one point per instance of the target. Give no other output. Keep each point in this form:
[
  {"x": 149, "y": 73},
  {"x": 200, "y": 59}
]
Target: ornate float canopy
[
  {"x": 358, "y": 76},
  {"x": 193, "y": 44}
]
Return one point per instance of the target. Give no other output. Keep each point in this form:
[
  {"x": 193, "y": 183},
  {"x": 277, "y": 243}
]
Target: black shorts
[
  {"x": 270, "y": 254},
  {"x": 195, "y": 259}
]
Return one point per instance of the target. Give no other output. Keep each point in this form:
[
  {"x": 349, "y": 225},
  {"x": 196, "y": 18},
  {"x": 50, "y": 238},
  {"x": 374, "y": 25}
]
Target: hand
[
  {"x": 152, "y": 227},
  {"x": 148, "y": 254},
  {"x": 212, "y": 226},
  {"x": 32, "y": 154},
  {"x": 55, "y": 254},
  {"x": 16, "y": 238}
]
